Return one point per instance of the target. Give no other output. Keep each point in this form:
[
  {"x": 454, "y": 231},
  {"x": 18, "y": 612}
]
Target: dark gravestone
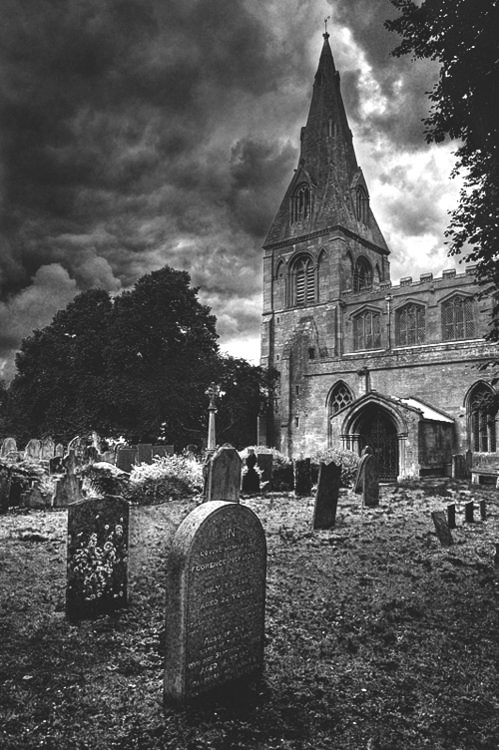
[
  {"x": 97, "y": 557},
  {"x": 443, "y": 531},
  {"x": 5, "y": 484},
  {"x": 224, "y": 475},
  {"x": 215, "y": 601},
  {"x": 251, "y": 478},
  {"x": 451, "y": 516},
  {"x": 326, "y": 498},
  {"x": 125, "y": 459},
  {"x": 366, "y": 482},
  {"x": 265, "y": 461},
  {"x": 468, "y": 511},
  {"x": 144, "y": 453},
  {"x": 483, "y": 510},
  {"x": 303, "y": 477}
]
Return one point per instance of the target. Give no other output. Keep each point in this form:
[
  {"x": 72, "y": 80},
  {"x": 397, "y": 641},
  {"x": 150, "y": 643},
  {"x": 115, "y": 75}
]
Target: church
[{"x": 362, "y": 361}]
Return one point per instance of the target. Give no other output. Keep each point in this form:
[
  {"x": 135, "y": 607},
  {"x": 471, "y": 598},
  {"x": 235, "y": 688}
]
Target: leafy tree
[{"x": 462, "y": 36}]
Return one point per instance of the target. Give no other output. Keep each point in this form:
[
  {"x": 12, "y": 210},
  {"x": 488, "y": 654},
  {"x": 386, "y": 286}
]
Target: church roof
[{"x": 328, "y": 168}]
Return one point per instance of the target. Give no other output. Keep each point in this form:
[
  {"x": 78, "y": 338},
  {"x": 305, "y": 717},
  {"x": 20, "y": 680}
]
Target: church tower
[{"x": 323, "y": 241}]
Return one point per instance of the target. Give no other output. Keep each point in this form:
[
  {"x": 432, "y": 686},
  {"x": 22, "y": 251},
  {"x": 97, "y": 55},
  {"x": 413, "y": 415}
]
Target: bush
[
  {"x": 167, "y": 478},
  {"x": 348, "y": 459},
  {"x": 104, "y": 479}
]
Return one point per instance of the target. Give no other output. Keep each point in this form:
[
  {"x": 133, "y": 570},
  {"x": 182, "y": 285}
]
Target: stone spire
[{"x": 327, "y": 167}]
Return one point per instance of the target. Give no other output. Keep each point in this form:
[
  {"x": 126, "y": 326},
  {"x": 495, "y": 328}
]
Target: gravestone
[
  {"x": 223, "y": 480},
  {"x": 443, "y": 531},
  {"x": 48, "y": 449},
  {"x": 326, "y": 497},
  {"x": 366, "y": 482},
  {"x": 33, "y": 449},
  {"x": 468, "y": 511},
  {"x": 59, "y": 450},
  {"x": 5, "y": 484},
  {"x": 125, "y": 459},
  {"x": 97, "y": 559},
  {"x": 215, "y": 601},
  {"x": 483, "y": 510},
  {"x": 68, "y": 488},
  {"x": 302, "y": 477},
  {"x": 251, "y": 478},
  {"x": 459, "y": 470},
  {"x": 144, "y": 453},
  {"x": 9, "y": 447},
  {"x": 265, "y": 461},
  {"x": 451, "y": 516}
]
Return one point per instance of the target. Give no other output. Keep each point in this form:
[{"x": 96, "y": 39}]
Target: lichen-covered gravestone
[
  {"x": 326, "y": 498},
  {"x": 97, "y": 557},
  {"x": 224, "y": 475},
  {"x": 215, "y": 601},
  {"x": 303, "y": 477}
]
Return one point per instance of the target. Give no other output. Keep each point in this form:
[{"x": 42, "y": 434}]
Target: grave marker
[
  {"x": 483, "y": 510},
  {"x": 33, "y": 449},
  {"x": 451, "y": 516},
  {"x": 302, "y": 477},
  {"x": 47, "y": 449},
  {"x": 97, "y": 556},
  {"x": 326, "y": 498},
  {"x": 443, "y": 531},
  {"x": 223, "y": 481},
  {"x": 468, "y": 511},
  {"x": 144, "y": 453},
  {"x": 9, "y": 447},
  {"x": 215, "y": 600},
  {"x": 125, "y": 459}
]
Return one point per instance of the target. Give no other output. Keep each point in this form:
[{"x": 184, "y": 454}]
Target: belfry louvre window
[
  {"x": 300, "y": 204},
  {"x": 304, "y": 282},
  {"x": 457, "y": 318},
  {"x": 482, "y": 411},
  {"x": 410, "y": 325},
  {"x": 362, "y": 275},
  {"x": 367, "y": 330}
]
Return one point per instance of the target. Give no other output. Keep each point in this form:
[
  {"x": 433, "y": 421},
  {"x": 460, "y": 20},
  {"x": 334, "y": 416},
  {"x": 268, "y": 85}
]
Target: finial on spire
[{"x": 326, "y": 35}]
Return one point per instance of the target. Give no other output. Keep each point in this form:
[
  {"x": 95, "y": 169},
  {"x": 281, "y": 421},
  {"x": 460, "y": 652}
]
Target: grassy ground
[{"x": 377, "y": 638}]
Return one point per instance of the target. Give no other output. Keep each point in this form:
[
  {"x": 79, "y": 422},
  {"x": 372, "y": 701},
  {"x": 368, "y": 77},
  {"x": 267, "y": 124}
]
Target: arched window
[
  {"x": 300, "y": 204},
  {"x": 279, "y": 286},
  {"x": 367, "y": 330},
  {"x": 409, "y": 325},
  {"x": 482, "y": 410},
  {"x": 361, "y": 205},
  {"x": 340, "y": 397},
  {"x": 362, "y": 274},
  {"x": 303, "y": 282},
  {"x": 457, "y": 318}
]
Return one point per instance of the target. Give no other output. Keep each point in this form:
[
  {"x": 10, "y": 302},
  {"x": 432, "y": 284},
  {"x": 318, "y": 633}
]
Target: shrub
[
  {"x": 348, "y": 459},
  {"x": 104, "y": 479},
  {"x": 167, "y": 478}
]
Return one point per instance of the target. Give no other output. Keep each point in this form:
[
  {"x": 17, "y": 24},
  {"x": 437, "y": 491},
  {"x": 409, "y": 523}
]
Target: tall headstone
[
  {"x": 303, "y": 477},
  {"x": 9, "y": 448},
  {"x": 483, "y": 510},
  {"x": 33, "y": 449},
  {"x": 441, "y": 527},
  {"x": 215, "y": 601},
  {"x": 451, "y": 515},
  {"x": 366, "y": 482},
  {"x": 223, "y": 480},
  {"x": 326, "y": 497},
  {"x": 468, "y": 511},
  {"x": 48, "y": 449},
  {"x": 59, "y": 450},
  {"x": 125, "y": 459},
  {"x": 97, "y": 560},
  {"x": 68, "y": 488},
  {"x": 144, "y": 453}
]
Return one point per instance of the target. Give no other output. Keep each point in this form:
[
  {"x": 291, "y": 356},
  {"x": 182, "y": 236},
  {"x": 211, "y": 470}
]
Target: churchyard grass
[{"x": 377, "y": 637}]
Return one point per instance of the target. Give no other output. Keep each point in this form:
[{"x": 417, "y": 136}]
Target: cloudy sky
[{"x": 139, "y": 133}]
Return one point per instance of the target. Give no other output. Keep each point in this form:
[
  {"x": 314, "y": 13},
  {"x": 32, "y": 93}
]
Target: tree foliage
[
  {"x": 138, "y": 366},
  {"x": 462, "y": 36}
]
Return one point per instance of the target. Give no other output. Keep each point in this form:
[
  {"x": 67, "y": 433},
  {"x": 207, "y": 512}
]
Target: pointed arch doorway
[{"x": 375, "y": 427}]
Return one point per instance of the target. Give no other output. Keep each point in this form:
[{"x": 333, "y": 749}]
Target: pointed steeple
[{"x": 328, "y": 189}]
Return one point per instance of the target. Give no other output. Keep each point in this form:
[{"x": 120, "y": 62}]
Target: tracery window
[
  {"x": 304, "y": 289},
  {"x": 367, "y": 330},
  {"x": 362, "y": 274},
  {"x": 482, "y": 410},
  {"x": 340, "y": 397},
  {"x": 457, "y": 318},
  {"x": 361, "y": 205},
  {"x": 410, "y": 325},
  {"x": 300, "y": 204}
]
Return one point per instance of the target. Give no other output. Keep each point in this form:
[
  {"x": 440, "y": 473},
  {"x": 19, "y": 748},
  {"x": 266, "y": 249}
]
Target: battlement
[{"x": 448, "y": 274}]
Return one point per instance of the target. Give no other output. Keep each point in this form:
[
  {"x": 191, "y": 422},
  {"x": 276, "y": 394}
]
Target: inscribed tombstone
[
  {"x": 326, "y": 497},
  {"x": 97, "y": 556},
  {"x": 303, "y": 477},
  {"x": 215, "y": 600},
  {"x": 441, "y": 527},
  {"x": 125, "y": 459},
  {"x": 224, "y": 475},
  {"x": 33, "y": 449}
]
